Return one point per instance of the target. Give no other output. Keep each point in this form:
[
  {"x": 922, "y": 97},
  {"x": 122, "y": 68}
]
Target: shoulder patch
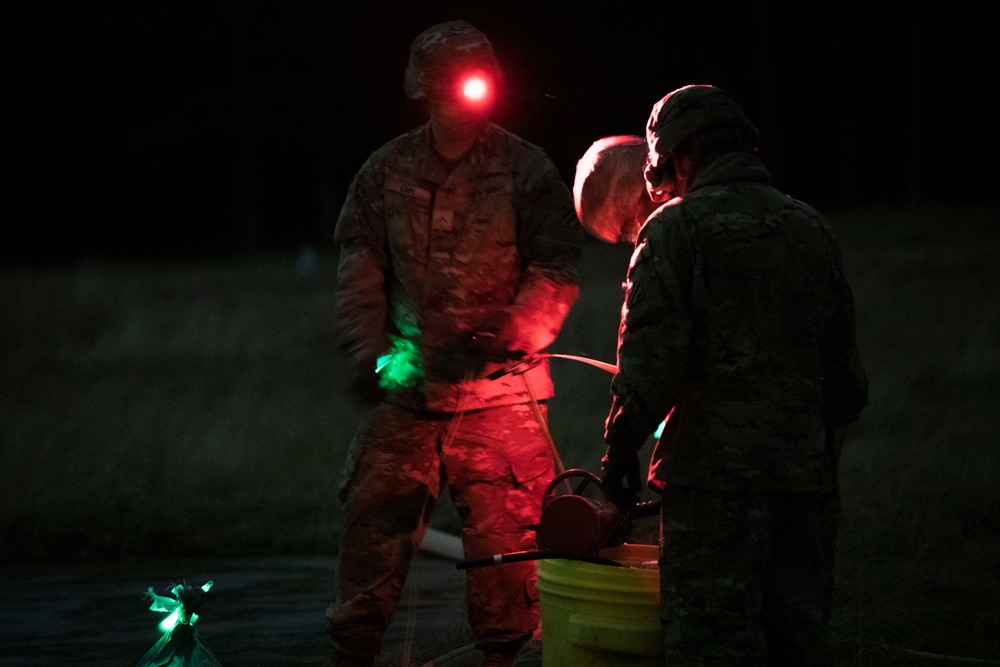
[{"x": 643, "y": 294}]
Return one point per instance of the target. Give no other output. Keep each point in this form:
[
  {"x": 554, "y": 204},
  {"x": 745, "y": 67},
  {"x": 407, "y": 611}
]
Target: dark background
[{"x": 152, "y": 130}]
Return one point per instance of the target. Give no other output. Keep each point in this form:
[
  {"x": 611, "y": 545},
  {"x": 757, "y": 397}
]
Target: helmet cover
[
  {"x": 609, "y": 192},
  {"x": 694, "y": 110},
  {"x": 436, "y": 53}
]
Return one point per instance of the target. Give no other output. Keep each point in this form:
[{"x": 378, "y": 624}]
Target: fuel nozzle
[
  {"x": 574, "y": 523},
  {"x": 575, "y": 527}
]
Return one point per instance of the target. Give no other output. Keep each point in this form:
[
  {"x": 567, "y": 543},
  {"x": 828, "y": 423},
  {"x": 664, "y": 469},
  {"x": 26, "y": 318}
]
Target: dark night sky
[{"x": 165, "y": 130}]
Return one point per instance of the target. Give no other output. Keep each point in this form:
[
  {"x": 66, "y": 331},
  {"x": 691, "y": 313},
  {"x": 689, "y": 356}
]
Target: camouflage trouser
[
  {"x": 496, "y": 465},
  {"x": 746, "y": 578}
]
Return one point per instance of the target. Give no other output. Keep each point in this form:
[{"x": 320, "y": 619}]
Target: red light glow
[{"x": 475, "y": 89}]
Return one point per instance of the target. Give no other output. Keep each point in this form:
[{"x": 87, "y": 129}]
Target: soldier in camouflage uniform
[
  {"x": 738, "y": 329},
  {"x": 459, "y": 244}
]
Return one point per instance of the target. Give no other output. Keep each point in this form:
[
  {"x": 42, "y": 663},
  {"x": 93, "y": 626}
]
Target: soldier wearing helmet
[
  {"x": 694, "y": 119},
  {"x": 459, "y": 249},
  {"x": 738, "y": 332}
]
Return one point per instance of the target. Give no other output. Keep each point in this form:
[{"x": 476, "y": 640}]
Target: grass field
[{"x": 200, "y": 410}]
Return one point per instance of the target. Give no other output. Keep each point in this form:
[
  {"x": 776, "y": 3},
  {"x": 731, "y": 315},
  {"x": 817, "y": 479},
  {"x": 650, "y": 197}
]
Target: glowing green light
[
  {"x": 170, "y": 622},
  {"x": 174, "y": 606},
  {"x": 659, "y": 429},
  {"x": 402, "y": 367}
]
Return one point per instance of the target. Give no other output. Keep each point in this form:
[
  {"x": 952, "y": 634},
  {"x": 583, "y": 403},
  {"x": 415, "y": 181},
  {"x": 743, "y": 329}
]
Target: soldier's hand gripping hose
[
  {"x": 621, "y": 478},
  {"x": 487, "y": 342},
  {"x": 492, "y": 338}
]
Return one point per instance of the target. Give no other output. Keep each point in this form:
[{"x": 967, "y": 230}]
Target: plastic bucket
[{"x": 602, "y": 615}]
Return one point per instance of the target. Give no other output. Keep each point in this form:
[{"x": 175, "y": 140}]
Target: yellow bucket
[{"x": 601, "y": 615}]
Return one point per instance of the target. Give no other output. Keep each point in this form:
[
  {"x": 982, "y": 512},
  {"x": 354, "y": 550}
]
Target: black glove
[
  {"x": 468, "y": 354},
  {"x": 365, "y": 383},
  {"x": 459, "y": 361},
  {"x": 492, "y": 338},
  {"x": 621, "y": 478}
]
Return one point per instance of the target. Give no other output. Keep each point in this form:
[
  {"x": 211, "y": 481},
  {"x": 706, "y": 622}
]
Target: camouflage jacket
[
  {"x": 428, "y": 253},
  {"x": 739, "y": 324}
]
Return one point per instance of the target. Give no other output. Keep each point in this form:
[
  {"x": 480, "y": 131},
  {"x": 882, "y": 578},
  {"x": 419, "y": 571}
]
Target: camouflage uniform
[
  {"x": 427, "y": 253},
  {"x": 738, "y": 327}
]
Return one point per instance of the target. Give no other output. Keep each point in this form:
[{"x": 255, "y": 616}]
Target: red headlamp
[
  {"x": 472, "y": 88},
  {"x": 475, "y": 88}
]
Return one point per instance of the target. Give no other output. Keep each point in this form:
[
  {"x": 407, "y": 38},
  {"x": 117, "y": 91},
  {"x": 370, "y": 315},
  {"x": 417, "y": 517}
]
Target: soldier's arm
[
  {"x": 549, "y": 239},
  {"x": 845, "y": 384},
  {"x": 360, "y": 298},
  {"x": 654, "y": 336}
]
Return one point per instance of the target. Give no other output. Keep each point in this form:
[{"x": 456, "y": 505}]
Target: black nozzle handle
[{"x": 645, "y": 509}]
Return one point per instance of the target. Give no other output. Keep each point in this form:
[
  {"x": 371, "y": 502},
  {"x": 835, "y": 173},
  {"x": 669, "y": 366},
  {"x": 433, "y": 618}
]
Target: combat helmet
[
  {"x": 444, "y": 51},
  {"x": 707, "y": 112},
  {"x": 608, "y": 191}
]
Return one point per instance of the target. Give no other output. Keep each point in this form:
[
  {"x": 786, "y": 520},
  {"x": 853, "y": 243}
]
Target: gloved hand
[
  {"x": 834, "y": 437},
  {"x": 621, "y": 477},
  {"x": 459, "y": 361},
  {"x": 492, "y": 337},
  {"x": 468, "y": 355},
  {"x": 365, "y": 383}
]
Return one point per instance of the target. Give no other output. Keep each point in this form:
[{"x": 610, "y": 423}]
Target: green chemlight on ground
[{"x": 175, "y": 607}]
